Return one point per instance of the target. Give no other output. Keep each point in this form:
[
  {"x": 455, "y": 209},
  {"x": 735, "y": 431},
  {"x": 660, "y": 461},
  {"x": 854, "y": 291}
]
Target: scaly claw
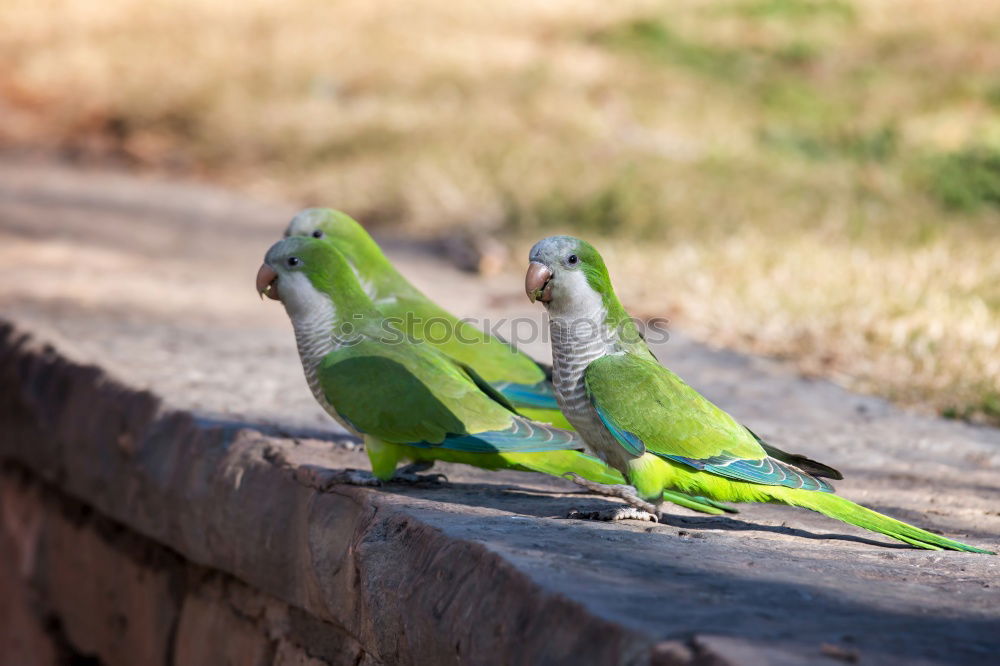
[
  {"x": 409, "y": 475},
  {"x": 435, "y": 480},
  {"x": 627, "y": 493},
  {"x": 348, "y": 477},
  {"x": 618, "y": 513}
]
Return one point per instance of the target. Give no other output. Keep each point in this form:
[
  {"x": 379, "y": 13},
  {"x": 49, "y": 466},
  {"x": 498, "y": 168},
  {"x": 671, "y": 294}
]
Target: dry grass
[
  {"x": 817, "y": 179},
  {"x": 880, "y": 319}
]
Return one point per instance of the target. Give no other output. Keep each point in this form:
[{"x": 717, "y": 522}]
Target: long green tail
[{"x": 855, "y": 514}]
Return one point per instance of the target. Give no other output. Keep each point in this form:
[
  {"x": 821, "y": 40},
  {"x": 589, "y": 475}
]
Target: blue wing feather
[
  {"x": 704, "y": 427},
  {"x": 523, "y": 436},
  {"x": 629, "y": 440},
  {"x": 767, "y": 471},
  {"x": 538, "y": 396}
]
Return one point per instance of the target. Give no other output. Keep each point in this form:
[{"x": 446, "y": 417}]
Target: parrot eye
[
  {"x": 572, "y": 259},
  {"x": 293, "y": 261},
  {"x": 317, "y": 234}
]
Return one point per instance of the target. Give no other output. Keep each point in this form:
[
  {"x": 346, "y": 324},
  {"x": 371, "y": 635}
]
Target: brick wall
[{"x": 77, "y": 588}]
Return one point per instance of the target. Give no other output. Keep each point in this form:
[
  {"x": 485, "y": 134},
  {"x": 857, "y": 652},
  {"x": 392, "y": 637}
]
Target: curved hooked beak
[
  {"x": 537, "y": 282},
  {"x": 267, "y": 282}
]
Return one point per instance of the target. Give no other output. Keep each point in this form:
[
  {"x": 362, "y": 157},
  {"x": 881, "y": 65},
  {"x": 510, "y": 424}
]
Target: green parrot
[
  {"x": 522, "y": 380},
  {"x": 644, "y": 421},
  {"x": 405, "y": 399}
]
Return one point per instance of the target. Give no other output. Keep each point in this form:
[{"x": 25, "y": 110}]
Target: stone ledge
[
  {"x": 371, "y": 573},
  {"x": 172, "y": 407},
  {"x": 399, "y": 587}
]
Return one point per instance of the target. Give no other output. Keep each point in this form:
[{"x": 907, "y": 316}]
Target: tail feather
[
  {"x": 855, "y": 514},
  {"x": 798, "y": 460}
]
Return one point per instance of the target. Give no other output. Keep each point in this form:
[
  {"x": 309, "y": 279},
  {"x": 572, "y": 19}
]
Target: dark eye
[
  {"x": 293, "y": 261},
  {"x": 317, "y": 234},
  {"x": 572, "y": 259}
]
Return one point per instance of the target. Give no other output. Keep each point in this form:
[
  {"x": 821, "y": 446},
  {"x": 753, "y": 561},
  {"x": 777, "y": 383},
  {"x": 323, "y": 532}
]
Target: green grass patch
[
  {"x": 985, "y": 410},
  {"x": 799, "y": 101},
  {"x": 796, "y": 10},
  {"x": 992, "y": 94},
  {"x": 625, "y": 203},
  {"x": 966, "y": 180},
  {"x": 878, "y": 145},
  {"x": 653, "y": 39},
  {"x": 779, "y": 75},
  {"x": 797, "y": 53}
]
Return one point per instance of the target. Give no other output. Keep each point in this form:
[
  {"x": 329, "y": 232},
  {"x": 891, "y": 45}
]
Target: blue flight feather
[
  {"x": 539, "y": 396},
  {"x": 766, "y": 471},
  {"x": 522, "y": 437},
  {"x": 629, "y": 440}
]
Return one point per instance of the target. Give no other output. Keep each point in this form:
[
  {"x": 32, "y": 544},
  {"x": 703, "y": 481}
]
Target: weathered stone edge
[{"x": 221, "y": 497}]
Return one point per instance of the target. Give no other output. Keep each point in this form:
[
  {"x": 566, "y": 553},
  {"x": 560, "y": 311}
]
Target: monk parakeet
[
  {"x": 644, "y": 421},
  {"x": 525, "y": 383},
  {"x": 517, "y": 376},
  {"x": 406, "y": 399},
  {"x": 368, "y": 267}
]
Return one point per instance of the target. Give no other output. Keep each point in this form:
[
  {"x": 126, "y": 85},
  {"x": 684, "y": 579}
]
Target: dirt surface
[{"x": 153, "y": 282}]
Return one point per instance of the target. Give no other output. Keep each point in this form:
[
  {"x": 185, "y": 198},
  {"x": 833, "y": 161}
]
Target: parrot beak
[
  {"x": 537, "y": 282},
  {"x": 267, "y": 282}
]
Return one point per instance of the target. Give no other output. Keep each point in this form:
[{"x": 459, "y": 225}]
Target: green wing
[
  {"x": 513, "y": 373},
  {"x": 650, "y": 409},
  {"x": 411, "y": 394},
  {"x": 484, "y": 385},
  {"x": 401, "y": 393}
]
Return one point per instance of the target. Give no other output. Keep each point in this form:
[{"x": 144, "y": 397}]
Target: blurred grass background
[{"x": 813, "y": 179}]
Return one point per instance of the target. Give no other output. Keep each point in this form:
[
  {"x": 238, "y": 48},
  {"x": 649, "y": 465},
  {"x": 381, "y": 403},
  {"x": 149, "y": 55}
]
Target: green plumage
[
  {"x": 651, "y": 474},
  {"x": 420, "y": 396},
  {"x": 632, "y": 388},
  {"x": 408, "y": 400},
  {"x": 520, "y": 379},
  {"x": 515, "y": 374},
  {"x": 658, "y": 431}
]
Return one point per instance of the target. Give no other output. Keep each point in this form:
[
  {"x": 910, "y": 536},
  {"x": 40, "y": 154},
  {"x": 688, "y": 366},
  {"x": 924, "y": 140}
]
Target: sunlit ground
[{"x": 815, "y": 179}]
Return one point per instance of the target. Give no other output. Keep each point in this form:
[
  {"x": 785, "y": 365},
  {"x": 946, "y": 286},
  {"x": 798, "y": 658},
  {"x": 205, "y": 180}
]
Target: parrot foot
[
  {"x": 621, "y": 491},
  {"x": 409, "y": 475},
  {"x": 351, "y": 477},
  {"x": 618, "y": 513}
]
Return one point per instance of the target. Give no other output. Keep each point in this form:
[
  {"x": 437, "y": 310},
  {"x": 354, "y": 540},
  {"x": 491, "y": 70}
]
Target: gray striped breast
[{"x": 571, "y": 355}]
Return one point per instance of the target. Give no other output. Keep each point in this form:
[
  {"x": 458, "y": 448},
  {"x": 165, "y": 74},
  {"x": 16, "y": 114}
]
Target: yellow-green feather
[
  {"x": 651, "y": 474},
  {"x": 420, "y": 317},
  {"x": 349, "y": 378},
  {"x": 385, "y": 456}
]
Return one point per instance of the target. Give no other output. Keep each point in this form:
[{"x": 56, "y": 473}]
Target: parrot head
[
  {"x": 327, "y": 223},
  {"x": 566, "y": 274},
  {"x": 376, "y": 275},
  {"x": 304, "y": 272},
  {"x": 343, "y": 232}
]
